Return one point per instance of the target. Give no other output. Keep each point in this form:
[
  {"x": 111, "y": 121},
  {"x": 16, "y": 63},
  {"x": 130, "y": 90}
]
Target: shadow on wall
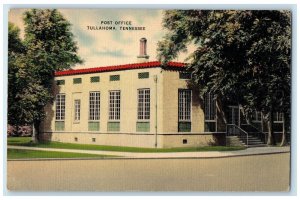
[
  {"x": 199, "y": 101},
  {"x": 46, "y": 128},
  {"x": 218, "y": 139},
  {"x": 196, "y": 99}
]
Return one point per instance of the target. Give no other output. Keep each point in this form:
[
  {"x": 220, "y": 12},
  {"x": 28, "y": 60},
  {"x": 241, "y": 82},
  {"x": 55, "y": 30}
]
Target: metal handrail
[
  {"x": 234, "y": 130},
  {"x": 259, "y": 133}
]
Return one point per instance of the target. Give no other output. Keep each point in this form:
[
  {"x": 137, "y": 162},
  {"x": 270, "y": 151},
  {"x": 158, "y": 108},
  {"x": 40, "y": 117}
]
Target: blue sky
[{"x": 107, "y": 47}]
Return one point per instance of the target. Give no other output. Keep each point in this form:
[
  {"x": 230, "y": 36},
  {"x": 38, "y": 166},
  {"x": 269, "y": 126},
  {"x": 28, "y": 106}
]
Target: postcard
[{"x": 147, "y": 100}]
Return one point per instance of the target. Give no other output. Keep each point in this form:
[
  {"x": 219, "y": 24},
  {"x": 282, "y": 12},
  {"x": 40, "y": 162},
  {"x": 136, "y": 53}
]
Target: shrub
[{"x": 22, "y": 130}]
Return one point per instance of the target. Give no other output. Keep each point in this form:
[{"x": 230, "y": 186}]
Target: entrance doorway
[{"x": 234, "y": 115}]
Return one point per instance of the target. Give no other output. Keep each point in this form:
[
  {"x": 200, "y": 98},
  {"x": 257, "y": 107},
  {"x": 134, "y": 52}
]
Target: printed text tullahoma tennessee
[{"x": 109, "y": 25}]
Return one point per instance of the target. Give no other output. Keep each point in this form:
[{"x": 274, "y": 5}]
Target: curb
[{"x": 146, "y": 158}]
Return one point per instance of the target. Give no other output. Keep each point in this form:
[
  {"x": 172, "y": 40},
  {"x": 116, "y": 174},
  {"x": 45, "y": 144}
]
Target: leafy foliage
[
  {"x": 243, "y": 57},
  {"x": 50, "y": 43},
  {"x": 16, "y": 78},
  {"x": 48, "y": 46}
]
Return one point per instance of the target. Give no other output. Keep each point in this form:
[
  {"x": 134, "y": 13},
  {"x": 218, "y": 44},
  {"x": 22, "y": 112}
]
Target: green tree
[
  {"x": 50, "y": 47},
  {"x": 240, "y": 55},
  {"x": 269, "y": 57},
  {"x": 16, "y": 79}
]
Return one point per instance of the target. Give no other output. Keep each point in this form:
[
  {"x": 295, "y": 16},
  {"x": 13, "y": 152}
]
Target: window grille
[
  {"x": 184, "y": 110},
  {"x": 278, "y": 117},
  {"x": 185, "y": 105},
  {"x": 114, "y": 105},
  {"x": 60, "y": 107},
  {"x": 143, "y": 104},
  {"x": 94, "y": 106},
  {"x": 210, "y": 107},
  {"x": 256, "y": 116},
  {"x": 77, "y": 110},
  {"x": 210, "y": 113}
]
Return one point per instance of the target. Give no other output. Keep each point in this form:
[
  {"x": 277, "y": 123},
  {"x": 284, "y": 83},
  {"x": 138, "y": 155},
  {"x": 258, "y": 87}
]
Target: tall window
[
  {"x": 278, "y": 117},
  {"x": 77, "y": 110},
  {"x": 184, "y": 110},
  {"x": 114, "y": 105},
  {"x": 60, "y": 107},
  {"x": 256, "y": 116},
  {"x": 278, "y": 122},
  {"x": 143, "y": 104},
  {"x": 94, "y": 106},
  {"x": 210, "y": 112},
  {"x": 185, "y": 105}
]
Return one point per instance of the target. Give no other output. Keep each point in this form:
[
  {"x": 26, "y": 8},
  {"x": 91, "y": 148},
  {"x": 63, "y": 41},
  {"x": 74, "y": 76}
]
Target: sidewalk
[{"x": 199, "y": 154}]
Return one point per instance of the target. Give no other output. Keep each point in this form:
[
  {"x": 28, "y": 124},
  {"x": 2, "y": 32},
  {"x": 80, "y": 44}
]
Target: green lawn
[
  {"x": 25, "y": 141},
  {"x": 20, "y": 154}
]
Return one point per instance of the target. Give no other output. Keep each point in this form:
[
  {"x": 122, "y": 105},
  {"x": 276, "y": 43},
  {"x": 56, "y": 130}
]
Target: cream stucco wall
[
  {"x": 166, "y": 92},
  {"x": 171, "y": 85},
  {"x": 128, "y": 85},
  {"x": 135, "y": 140}
]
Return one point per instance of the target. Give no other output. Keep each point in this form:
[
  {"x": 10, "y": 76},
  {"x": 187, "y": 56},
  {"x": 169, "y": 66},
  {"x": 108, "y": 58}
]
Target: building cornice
[{"x": 153, "y": 64}]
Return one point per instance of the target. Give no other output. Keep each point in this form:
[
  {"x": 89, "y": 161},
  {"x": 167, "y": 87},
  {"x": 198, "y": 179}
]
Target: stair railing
[
  {"x": 234, "y": 130},
  {"x": 261, "y": 135}
]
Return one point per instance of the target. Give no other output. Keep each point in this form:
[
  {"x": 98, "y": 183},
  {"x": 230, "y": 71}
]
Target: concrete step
[
  {"x": 255, "y": 141},
  {"x": 233, "y": 141},
  {"x": 241, "y": 140},
  {"x": 256, "y": 145},
  {"x": 250, "y": 139}
]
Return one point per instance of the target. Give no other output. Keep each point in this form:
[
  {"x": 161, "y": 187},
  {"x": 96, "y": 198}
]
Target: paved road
[{"x": 246, "y": 173}]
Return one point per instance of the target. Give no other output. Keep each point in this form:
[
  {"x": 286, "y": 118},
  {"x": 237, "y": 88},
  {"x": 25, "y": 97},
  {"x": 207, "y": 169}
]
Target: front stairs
[
  {"x": 240, "y": 141},
  {"x": 247, "y": 136}
]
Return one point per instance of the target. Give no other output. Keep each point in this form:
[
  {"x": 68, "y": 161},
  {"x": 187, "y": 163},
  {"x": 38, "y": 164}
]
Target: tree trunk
[
  {"x": 283, "y": 138},
  {"x": 271, "y": 139},
  {"x": 16, "y": 132},
  {"x": 35, "y": 132},
  {"x": 33, "y": 137}
]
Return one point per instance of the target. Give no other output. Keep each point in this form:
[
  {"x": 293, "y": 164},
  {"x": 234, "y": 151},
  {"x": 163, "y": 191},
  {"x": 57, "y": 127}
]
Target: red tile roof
[{"x": 175, "y": 65}]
